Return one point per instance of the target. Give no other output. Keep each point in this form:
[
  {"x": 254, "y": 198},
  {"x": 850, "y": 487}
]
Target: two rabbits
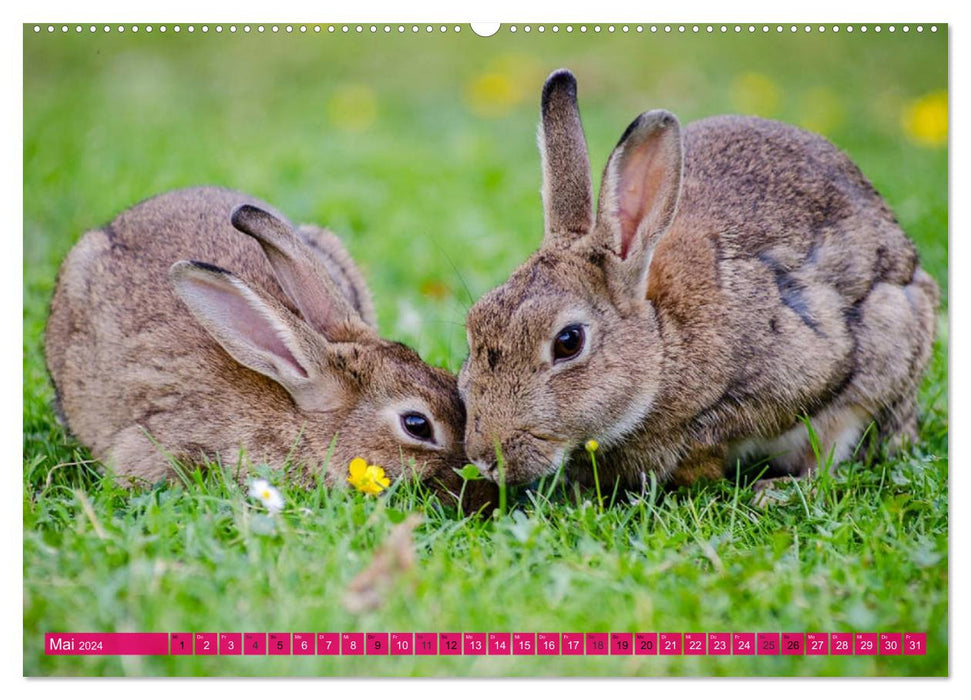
[{"x": 737, "y": 274}]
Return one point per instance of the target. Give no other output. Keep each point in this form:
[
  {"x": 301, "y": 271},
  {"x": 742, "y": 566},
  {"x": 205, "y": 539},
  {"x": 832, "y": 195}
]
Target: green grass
[{"x": 434, "y": 186}]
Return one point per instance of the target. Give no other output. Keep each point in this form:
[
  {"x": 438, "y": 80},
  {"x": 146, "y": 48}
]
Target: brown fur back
[{"x": 122, "y": 273}]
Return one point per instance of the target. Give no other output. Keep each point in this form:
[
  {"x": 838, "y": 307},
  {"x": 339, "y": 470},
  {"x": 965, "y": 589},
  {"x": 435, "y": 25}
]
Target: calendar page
[{"x": 544, "y": 349}]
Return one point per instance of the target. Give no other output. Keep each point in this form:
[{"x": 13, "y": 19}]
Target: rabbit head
[
  {"x": 384, "y": 403},
  {"x": 552, "y": 351}
]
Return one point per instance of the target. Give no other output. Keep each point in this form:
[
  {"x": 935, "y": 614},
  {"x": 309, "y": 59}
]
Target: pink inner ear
[
  {"x": 239, "y": 323},
  {"x": 642, "y": 176}
]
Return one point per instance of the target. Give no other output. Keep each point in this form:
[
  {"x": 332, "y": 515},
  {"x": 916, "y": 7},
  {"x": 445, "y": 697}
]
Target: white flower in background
[
  {"x": 409, "y": 321},
  {"x": 265, "y": 493}
]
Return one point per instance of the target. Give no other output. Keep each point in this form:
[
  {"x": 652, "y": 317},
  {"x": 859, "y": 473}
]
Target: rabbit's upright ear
[
  {"x": 302, "y": 275},
  {"x": 567, "y": 187},
  {"x": 639, "y": 195},
  {"x": 342, "y": 268},
  {"x": 258, "y": 332}
]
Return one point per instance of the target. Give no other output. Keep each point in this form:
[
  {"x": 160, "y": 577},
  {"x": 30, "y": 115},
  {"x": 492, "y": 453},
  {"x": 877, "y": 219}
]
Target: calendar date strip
[{"x": 485, "y": 643}]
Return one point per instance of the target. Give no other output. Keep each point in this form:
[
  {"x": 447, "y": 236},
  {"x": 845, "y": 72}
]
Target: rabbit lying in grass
[
  {"x": 737, "y": 275},
  {"x": 266, "y": 345}
]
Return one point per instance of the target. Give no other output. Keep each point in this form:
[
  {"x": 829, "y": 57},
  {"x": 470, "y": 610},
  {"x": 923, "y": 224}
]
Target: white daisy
[{"x": 265, "y": 493}]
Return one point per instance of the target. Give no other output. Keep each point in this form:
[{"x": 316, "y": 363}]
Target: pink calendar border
[{"x": 486, "y": 643}]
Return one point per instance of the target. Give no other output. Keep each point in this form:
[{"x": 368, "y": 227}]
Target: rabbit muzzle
[{"x": 516, "y": 456}]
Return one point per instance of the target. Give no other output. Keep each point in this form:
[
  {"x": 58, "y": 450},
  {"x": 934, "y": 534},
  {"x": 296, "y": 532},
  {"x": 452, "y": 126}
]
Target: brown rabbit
[
  {"x": 736, "y": 276},
  {"x": 156, "y": 357}
]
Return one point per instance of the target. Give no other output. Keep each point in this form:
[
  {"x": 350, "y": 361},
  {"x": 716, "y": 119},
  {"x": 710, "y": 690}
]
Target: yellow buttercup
[{"x": 367, "y": 478}]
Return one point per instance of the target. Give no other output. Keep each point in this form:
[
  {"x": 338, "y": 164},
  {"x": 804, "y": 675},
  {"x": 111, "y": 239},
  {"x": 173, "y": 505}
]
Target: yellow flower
[
  {"x": 925, "y": 119},
  {"x": 352, "y": 107},
  {"x": 754, "y": 93},
  {"x": 820, "y": 110},
  {"x": 492, "y": 95},
  {"x": 503, "y": 84},
  {"x": 592, "y": 445},
  {"x": 367, "y": 478}
]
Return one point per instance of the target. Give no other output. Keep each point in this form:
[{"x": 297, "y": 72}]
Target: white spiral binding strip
[{"x": 512, "y": 28}]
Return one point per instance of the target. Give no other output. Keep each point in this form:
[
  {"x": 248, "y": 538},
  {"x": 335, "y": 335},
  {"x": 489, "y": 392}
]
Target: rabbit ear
[
  {"x": 567, "y": 187},
  {"x": 302, "y": 275},
  {"x": 342, "y": 269},
  {"x": 639, "y": 194},
  {"x": 258, "y": 332}
]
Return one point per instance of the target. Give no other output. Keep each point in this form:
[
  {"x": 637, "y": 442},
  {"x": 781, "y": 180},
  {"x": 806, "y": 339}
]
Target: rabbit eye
[
  {"x": 418, "y": 426},
  {"x": 568, "y": 343}
]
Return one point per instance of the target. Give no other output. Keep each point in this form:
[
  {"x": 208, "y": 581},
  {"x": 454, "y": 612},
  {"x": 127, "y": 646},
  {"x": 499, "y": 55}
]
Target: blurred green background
[{"x": 419, "y": 150}]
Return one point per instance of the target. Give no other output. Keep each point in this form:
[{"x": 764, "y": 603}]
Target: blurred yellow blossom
[
  {"x": 925, "y": 119},
  {"x": 436, "y": 289},
  {"x": 506, "y": 81},
  {"x": 754, "y": 93},
  {"x": 820, "y": 110},
  {"x": 367, "y": 478},
  {"x": 592, "y": 445},
  {"x": 492, "y": 95},
  {"x": 352, "y": 107},
  {"x": 522, "y": 68}
]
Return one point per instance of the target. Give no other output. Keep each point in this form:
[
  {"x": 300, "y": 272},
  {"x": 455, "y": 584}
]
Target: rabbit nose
[{"x": 480, "y": 446}]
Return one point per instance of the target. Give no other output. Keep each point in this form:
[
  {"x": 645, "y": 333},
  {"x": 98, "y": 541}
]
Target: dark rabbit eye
[
  {"x": 568, "y": 343},
  {"x": 418, "y": 426}
]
